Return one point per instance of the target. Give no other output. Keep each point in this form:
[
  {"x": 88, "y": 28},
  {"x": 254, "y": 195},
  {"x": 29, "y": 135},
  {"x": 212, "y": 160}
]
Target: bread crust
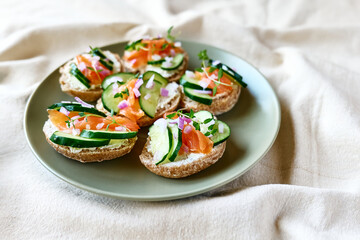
[
  {"x": 174, "y": 78},
  {"x": 97, "y": 154},
  {"x": 181, "y": 170},
  {"x": 221, "y": 103},
  {"x": 88, "y": 95},
  {"x": 146, "y": 120}
]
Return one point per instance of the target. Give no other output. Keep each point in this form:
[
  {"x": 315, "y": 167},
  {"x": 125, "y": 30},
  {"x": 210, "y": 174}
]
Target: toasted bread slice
[
  {"x": 181, "y": 168},
  {"x": 95, "y": 154},
  {"x": 221, "y": 103},
  {"x": 167, "y": 105},
  {"x": 89, "y": 95},
  {"x": 175, "y": 74}
]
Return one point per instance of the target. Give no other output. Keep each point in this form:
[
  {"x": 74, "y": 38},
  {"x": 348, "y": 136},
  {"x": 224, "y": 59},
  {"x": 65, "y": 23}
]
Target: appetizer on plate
[
  {"x": 181, "y": 144},
  {"x": 214, "y": 87},
  {"x": 80, "y": 132},
  {"x": 142, "y": 98},
  {"x": 82, "y": 76},
  {"x": 162, "y": 55}
]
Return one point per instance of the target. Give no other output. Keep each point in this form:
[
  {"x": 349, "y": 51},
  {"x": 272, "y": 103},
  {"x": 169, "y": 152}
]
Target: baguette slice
[
  {"x": 221, "y": 103},
  {"x": 88, "y": 95},
  {"x": 85, "y": 155},
  {"x": 169, "y": 105},
  {"x": 181, "y": 168},
  {"x": 175, "y": 77}
]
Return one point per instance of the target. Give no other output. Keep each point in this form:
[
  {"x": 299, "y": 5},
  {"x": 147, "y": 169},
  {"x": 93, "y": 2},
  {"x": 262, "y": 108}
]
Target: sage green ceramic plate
[{"x": 254, "y": 122}]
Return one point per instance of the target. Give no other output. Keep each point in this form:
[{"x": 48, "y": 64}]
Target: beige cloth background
[{"x": 306, "y": 187}]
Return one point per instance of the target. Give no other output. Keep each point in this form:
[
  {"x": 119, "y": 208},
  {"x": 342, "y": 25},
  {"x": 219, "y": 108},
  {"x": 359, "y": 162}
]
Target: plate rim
[{"x": 163, "y": 197}]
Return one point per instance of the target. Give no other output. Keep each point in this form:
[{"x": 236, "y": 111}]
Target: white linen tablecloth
[{"x": 306, "y": 187}]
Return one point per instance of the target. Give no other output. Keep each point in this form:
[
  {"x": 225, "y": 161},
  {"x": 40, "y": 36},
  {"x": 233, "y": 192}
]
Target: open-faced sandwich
[
  {"x": 142, "y": 98},
  {"x": 82, "y": 76},
  {"x": 79, "y": 131},
  {"x": 162, "y": 55},
  {"x": 181, "y": 144},
  {"x": 214, "y": 87}
]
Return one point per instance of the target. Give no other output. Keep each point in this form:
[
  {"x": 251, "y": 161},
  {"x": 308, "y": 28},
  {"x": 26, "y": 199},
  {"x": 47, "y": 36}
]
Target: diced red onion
[
  {"x": 167, "y": 64},
  {"x": 203, "y": 84},
  {"x": 187, "y": 120},
  {"x": 221, "y": 128},
  {"x": 136, "y": 92},
  {"x": 164, "y": 92},
  {"x": 104, "y": 73},
  {"x": 187, "y": 129},
  {"x": 99, "y": 126},
  {"x": 64, "y": 111},
  {"x": 132, "y": 62},
  {"x": 203, "y": 91},
  {"x": 88, "y": 126},
  {"x": 123, "y": 104},
  {"x": 150, "y": 83},
  {"x": 76, "y": 132},
  {"x": 177, "y": 44},
  {"x": 181, "y": 123},
  {"x": 189, "y": 74},
  {"x": 120, "y": 128},
  {"x": 96, "y": 58},
  {"x": 138, "y": 83},
  {"x": 81, "y": 66},
  {"x": 168, "y": 59},
  {"x": 172, "y": 52},
  {"x": 147, "y": 96},
  {"x": 159, "y": 36},
  {"x": 84, "y": 104}
]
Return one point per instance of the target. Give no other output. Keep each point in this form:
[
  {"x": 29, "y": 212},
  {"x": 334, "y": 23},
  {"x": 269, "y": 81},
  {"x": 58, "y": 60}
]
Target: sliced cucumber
[
  {"x": 191, "y": 83},
  {"x": 218, "y": 137},
  {"x": 176, "y": 141},
  {"x": 175, "y": 62},
  {"x": 79, "y": 75},
  {"x": 199, "y": 97},
  {"x": 109, "y": 102},
  {"x": 112, "y": 78},
  {"x": 77, "y": 108},
  {"x": 106, "y": 134},
  {"x": 148, "y": 103},
  {"x": 157, "y": 76},
  {"x": 160, "y": 142},
  {"x": 230, "y": 72},
  {"x": 203, "y": 115},
  {"x": 70, "y": 140},
  {"x": 103, "y": 59},
  {"x": 156, "y": 62}
]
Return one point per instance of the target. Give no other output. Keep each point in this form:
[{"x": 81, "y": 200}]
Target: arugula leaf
[
  {"x": 164, "y": 46},
  {"x": 212, "y": 69},
  {"x": 220, "y": 74},
  {"x": 196, "y": 125},
  {"x": 118, "y": 95},
  {"x": 213, "y": 131},
  {"x": 170, "y": 116},
  {"x": 191, "y": 114},
  {"x": 203, "y": 55},
  {"x": 208, "y": 120},
  {"x": 170, "y": 37},
  {"x": 214, "y": 90}
]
